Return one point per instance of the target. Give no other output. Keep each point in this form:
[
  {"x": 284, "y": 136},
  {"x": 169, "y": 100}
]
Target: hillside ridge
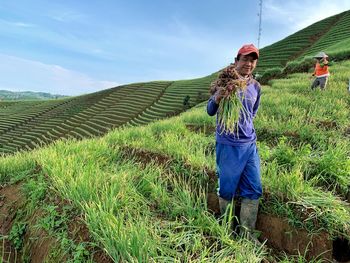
[{"x": 25, "y": 125}]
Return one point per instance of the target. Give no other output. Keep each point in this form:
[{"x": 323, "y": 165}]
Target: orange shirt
[{"x": 321, "y": 71}]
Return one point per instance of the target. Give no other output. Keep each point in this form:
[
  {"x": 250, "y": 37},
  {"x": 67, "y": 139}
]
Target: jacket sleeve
[
  {"x": 257, "y": 102},
  {"x": 212, "y": 107}
]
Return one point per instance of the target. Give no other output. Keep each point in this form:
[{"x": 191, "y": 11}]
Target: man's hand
[{"x": 219, "y": 94}]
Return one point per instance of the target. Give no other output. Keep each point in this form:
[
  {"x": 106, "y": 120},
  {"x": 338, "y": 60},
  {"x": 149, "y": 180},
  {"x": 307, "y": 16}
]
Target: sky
[{"x": 76, "y": 47}]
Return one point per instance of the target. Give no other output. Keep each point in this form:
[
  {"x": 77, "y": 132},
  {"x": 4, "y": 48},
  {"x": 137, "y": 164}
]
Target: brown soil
[
  {"x": 281, "y": 236},
  {"x": 38, "y": 244},
  {"x": 292, "y": 134},
  {"x": 213, "y": 203},
  {"x": 272, "y": 137},
  {"x": 347, "y": 131},
  {"x": 212, "y": 176},
  {"x": 10, "y": 201},
  {"x": 327, "y": 125},
  {"x": 79, "y": 232},
  {"x": 145, "y": 156},
  {"x": 208, "y": 130}
]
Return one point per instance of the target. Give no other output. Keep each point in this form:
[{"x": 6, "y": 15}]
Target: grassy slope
[
  {"x": 320, "y": 36},
  {"x": 159, "y": 212},
  {"x": 292, "y": 47},
  {"x": 26, "y": 125}
]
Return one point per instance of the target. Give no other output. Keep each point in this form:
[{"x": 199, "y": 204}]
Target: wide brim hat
[{"x": 321, "y": 55}]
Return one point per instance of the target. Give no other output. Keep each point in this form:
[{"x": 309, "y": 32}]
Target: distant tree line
[{"x": 27, "y": 95}]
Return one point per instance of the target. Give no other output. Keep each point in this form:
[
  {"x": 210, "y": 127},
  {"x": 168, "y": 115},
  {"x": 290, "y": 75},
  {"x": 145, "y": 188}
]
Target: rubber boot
[
  {"x": 223, "y": 203},
  {"x": 247, "y": 218},
  {"x": 227, "y": 210}
]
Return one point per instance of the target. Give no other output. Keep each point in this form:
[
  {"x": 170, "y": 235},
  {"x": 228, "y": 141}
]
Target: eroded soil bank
[{"x": 23, "y": 241}]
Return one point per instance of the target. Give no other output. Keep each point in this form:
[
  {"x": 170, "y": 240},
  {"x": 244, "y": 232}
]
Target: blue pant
[{"x": 238, "y": 170}]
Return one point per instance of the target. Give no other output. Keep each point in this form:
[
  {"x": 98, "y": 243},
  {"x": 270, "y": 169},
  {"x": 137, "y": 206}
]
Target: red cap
[{"x": 248, "y": 49}]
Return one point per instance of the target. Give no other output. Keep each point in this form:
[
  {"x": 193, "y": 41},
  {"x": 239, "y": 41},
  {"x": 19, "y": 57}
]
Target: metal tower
[{"x": 260, "y": 15}]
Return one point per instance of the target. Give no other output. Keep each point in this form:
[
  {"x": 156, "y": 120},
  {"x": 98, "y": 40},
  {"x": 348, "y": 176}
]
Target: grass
[
  {"x": 154, "y": 211},
  {"x": 122, "y": 199},
  {"x": 159, "y": 212}
]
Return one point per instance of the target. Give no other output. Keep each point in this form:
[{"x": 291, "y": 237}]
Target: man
[
  {"x": 321, "y": 71},
  {"x": 237, "y": 159}
]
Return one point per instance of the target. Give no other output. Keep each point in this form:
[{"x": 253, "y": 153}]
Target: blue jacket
[{"x": 246, "y": 132}]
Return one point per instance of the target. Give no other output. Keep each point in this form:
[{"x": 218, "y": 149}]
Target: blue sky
[{"x": 76, "y": 47}]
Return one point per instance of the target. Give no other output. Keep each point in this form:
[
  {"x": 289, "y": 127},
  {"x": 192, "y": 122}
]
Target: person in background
[
  {"x": 237, "y": 158},
  {"x": 321, "y": 71}
]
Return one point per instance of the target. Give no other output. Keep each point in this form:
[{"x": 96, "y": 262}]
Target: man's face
[{"x": 246, "y": 64}]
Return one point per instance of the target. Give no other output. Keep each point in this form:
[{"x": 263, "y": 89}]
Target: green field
[
  {"x": 145, "y": 190},
  {"x": 30, "y": 124}
]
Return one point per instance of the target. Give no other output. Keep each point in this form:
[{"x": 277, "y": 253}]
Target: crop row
[
  {"x": 33, "y": 124},
  {"x": 173, "y": 100},
  {"x": 278, "y": 54},
  {"x": 339, "y": 32}
]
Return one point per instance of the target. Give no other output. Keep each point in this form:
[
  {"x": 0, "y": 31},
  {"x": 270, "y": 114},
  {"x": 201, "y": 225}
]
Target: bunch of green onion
[{"x": 231, "y": 107}]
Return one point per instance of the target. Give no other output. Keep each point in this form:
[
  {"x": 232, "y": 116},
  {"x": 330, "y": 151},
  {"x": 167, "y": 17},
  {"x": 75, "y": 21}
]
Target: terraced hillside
[
  {"x": 306, "y": 42},
  {"x": 147, "y": 193},
  {"x": 26, "y": 125},
  {"x": 339, "y": 32},
  {"x": 29, "y": 124}
]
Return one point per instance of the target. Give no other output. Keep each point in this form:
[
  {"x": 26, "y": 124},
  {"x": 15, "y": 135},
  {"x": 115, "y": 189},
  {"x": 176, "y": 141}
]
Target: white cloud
[
  {"x": 21, "y": 75},
  {"x": 21, "y": 24},
  {"x": 302, "y": 13},
  {"x": 16, "y": 23},
  {"x": 67, "y": 16}
]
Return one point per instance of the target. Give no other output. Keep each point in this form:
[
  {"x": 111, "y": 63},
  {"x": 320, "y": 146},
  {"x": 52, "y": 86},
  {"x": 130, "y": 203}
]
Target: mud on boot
[{"x": 247, "y": 220}]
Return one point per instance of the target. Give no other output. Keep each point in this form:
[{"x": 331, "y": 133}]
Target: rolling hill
[
  {"x": 26, "y": 125},
  {"x": 146, "y": 191}
]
